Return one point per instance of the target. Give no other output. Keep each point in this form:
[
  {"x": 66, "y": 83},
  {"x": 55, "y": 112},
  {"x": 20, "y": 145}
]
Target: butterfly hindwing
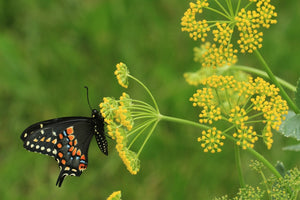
[
  {"x": 67, "y": 140},
  {"x": 73, "y": 144}
]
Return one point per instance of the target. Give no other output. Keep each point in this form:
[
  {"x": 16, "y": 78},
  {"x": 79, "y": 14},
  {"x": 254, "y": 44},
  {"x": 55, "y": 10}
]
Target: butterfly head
[{"x": 95, "y": 113}]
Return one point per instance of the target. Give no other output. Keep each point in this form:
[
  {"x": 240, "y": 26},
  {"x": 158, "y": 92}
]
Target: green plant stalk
[
  {"x": 291, "y": 104},
  {"x": 264, "y": 74},
  {"x": 265, "y": 183},
  {"x": 148, "y": 91},
  {"x": 239, "y": 165},
  {"x": 265, "y": 162},
  {"x": 143, "y": 127},
  {"x": 147, "y": 138},
  {"x": 183, "y": 121}
]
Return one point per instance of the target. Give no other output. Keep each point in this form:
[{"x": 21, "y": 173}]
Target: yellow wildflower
[
  {"x": 122, "y": 73},
  {"x": 211, "y": 140},
  {"x": 115, "y": 196}
]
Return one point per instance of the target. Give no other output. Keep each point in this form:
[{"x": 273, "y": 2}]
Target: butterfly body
[{"x": 67, "y": 139}]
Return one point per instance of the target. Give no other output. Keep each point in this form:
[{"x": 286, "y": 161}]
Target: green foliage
[
  {"x": 295, "y": 147},
  {"x": 291, "y": 127},
  {"x": 280, "y": 168}
]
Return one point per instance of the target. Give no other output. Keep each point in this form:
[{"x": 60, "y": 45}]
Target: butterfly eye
[{"x": 95, "y": 112}]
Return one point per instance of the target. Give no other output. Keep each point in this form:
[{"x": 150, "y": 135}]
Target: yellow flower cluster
[
  {"x": 118, "y": 118},
  {"x": 217, "y": 56},
  {"x": 242, "y": 104},
  {"x": 116, "y": 113},
  {"x": 196, "y": 29},
  {"x": 249, "y": 192},
  {"x": 246, "y": 136},
  {"x": 115, "y": 196},
  {"x": 248, "y": 20},
  {"x": 250, "y": 38},
  {"x": 211, "y": 140},
  {"x": 129, "y": 158},
  {"x": 122, "y": 73}
]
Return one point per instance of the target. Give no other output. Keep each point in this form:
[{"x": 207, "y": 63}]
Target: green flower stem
[
  {"x": 264, "y": 74},
  {"x": 239, "y": 165},
  {"x": 224, "y": 10},
  {"x": 265, "y": 162},
  {"x": 147, "y": 138},
  {"x": 219, "y": 12},
  {"x": 142, "y": 128},
  {"x": 265, "y": 183},
  {"x": 291, "y": 104},
  {"x": 237, "y": 8},
  {"x": 148, "y": 91},
  {"x": 259, "y": 157},
  {"x": 230, "y": 8},
  {"x": 183, "y": 121}
]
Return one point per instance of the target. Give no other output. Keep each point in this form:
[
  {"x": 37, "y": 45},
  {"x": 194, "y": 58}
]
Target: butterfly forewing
[{"x": 67, "y": 140}]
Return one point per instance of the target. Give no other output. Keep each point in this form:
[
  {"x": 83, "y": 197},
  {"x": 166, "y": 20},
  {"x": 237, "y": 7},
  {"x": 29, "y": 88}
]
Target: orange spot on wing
[
  {"x": 54, "y": 141},
  {"x": 60, "y": 154},
  {"x": 63, "y": 161},
  {"x": 42, "y": 140},
  {"x": 61, "y": 136},
  {"x": 71, "y": 148},
  {"x": 71, "y": 137},
  {"x": 59, "y": 145},
  {"x": 78, "y": 152},
  {"x": 75, "y": 142},
  {"x": 48, "y": 140},
  {"x": 70, "y": 130},
  {"x": 82, "y": 157},
  {"x": 74, "y": 152},
  {"x": 71, "y": 143}
]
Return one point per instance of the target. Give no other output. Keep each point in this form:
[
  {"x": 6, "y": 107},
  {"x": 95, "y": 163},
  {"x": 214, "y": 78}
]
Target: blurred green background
[{"x": 49, "y": 50}]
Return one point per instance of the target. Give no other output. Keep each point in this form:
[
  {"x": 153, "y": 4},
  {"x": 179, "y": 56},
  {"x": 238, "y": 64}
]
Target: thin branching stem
[{"x": 290, "y": 102}]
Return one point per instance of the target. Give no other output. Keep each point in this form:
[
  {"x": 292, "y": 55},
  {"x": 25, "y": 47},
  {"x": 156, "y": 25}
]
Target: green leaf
[
  {"x": 291, "y": 126},
  {"x": 292, "y": 148},
  {"x": 297, "y": 94},
  {"x": 280, "y": 168}
]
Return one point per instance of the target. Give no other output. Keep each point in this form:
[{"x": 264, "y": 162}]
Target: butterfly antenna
[{"x": 87, "y": 96}]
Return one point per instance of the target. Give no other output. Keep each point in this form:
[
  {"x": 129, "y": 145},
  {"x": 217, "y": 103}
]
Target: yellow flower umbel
[
  {"x": 115, "y": 196},
  {"x": 127, "y": 119},
  {"x": 122, "y": 74},
  {"x": 241, "y": 105},
  {"x": 248, "y": 20},
  {"x": 118, "y": 117},
  {"x": 211, "y": 140}
]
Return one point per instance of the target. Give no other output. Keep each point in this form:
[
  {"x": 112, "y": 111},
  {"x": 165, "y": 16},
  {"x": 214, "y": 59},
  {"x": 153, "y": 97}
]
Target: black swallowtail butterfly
[{"x": 67, "y": 139}]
